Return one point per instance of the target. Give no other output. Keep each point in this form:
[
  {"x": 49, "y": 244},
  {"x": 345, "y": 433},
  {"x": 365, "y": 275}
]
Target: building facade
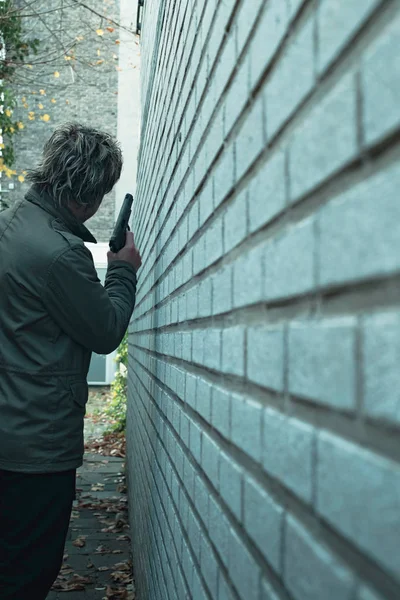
[{"x": 263, "y": 415}]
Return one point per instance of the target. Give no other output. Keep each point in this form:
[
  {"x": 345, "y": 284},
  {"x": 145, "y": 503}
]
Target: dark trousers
[{"x": 34, "y": 516}]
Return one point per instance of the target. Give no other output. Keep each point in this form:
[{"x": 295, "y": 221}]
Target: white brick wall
[{"x": 263, "y": 412}]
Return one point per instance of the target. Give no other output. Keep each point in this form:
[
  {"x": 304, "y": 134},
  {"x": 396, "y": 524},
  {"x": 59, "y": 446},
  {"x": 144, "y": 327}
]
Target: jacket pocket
[{"x": 79, "y": 391}]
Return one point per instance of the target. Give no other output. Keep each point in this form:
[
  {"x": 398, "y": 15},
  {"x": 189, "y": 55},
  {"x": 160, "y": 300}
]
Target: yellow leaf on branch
[
  {"x": 40, "y": 105},
  {"x": 53, "y": 100},
  {"x": 25, "y": 105},
  {"x": 100, "y": 62},
  {"x": 23, "y": 99},
  {"x": 56, "y": 74},
  {"x": 99, "y": 32},
  {"x": 2, "y": 146},
  {"x": 45, "y": 117},
  {"x": 31, "y": 115},
  {"x": 8, "y": 112},
  {"x": 42, "y": 92},
  {"x": 11, "y": 129},
  {"x": 67, "y": 57},
  {"x": 98, "y": 52},
  {"x": 20, "y": 125},
  {"x": 21, "y": 178}
]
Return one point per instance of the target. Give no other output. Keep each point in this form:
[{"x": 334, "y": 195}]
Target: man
[{"x": 53, "y": 313}]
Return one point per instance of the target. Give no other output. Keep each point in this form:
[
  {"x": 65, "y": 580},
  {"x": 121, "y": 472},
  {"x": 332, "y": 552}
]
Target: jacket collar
[{"x": 41, "y": 198}]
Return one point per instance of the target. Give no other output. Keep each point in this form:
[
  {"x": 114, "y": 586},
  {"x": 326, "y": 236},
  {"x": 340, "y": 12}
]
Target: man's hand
[{"x": 129, "y": 253}]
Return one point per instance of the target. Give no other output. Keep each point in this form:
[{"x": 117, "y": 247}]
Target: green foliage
[
  {"x": 116, "y": 407},
  {"x": 15, "y": 51}
]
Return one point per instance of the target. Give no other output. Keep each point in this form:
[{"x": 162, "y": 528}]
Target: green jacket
[{"x": 53, "y": 313}]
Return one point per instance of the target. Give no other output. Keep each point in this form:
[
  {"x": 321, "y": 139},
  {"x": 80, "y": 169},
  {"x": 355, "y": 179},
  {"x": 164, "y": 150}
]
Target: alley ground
[{"x": 97, "y": 557}]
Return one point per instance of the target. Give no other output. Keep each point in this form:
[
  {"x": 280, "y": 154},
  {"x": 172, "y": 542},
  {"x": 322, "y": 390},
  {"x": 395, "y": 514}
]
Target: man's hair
[{"x": 78, "y": 163}]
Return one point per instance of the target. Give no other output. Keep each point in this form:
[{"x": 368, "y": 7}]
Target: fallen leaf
[{"x": 79, "y": 542}]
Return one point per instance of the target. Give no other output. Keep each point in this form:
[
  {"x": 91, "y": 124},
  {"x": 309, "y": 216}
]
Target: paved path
[{"x": 98, "y": 546}]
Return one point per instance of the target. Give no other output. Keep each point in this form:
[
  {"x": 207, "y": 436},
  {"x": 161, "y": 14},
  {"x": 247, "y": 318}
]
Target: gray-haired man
[{"x": 53, "y": 313}]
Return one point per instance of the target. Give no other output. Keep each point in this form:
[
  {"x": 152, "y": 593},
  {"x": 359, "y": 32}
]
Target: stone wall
[
  {"x": 263, "y": 419},
  {"x": 85, "y": 90}
]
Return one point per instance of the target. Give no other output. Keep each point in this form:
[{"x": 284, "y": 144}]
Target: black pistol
[{"x": 118, "y": 237}]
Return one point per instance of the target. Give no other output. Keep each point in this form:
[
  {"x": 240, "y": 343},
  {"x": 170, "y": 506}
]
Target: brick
[
  {"x": 222, "y": 290},
  {"x": 214, "y": 242},
  {"x": 244, "y": 571},
  {"x": 310, "y": 570},
  {"x": 238, "y": 92},
  {"x": 198, "y": 591},
  {"x": 188, "y": 477},
  {"x": 345, "y": 474},
  {"x": 194, "y": 219},
  {"x": 209, "y": 567},
  {"x": 233, "y": 343},
  {"x": 203, "y": 399},
  {"x": 380, "y": 76},
  {"x": 265, "y": 356},
  {"x": 267, "y": 37},
  {"x": 250, "y": 139},
  {"x": 326, "y": 140},
  {"x": 230, "y": 484},
  {"x": 224, "y": 175},
  {"x": 322, "y": 361},
  {"x": 247, "y": 16},
  {"x": 192, "y": 303},
  {"x": 199, "y": 255},
  {"x": 212, "y": 349},
  {"x": 205, "y": 201},
  {"x": 195, "y": 440},
  {"x": 337, "y": 24},
  {"x": 289, "y": 262},
  {"x": 246, "y": 425},
  {"x": 219, "y": 530},
  {"x": 288, "y": 452},
  {"x": 291, "y": 80},
  {"x": 381, "y": 358},
  {"x": 184, "y": 430},
  {"x": 267, "y": 192},
  {"x": 369, "y": 246},
  {"x": 221, "y": 411},
  {"x": 194, "y": 534},
  {"x": 210, "y": 459},
  {"x": 187, "y": 266},
  {"x": 248, "y": 276},
  {"x": 201, "y": 496},
  {"x": 224, "y": 591},
  {"x": 294, "y": 6},
  {"x": 263, "y": 522},
  {"x": 235, "y": 222},
  {"x": 191, "y": 384},
  {"x": 198, "y": 346},
  {"x": 226, "y": 63},
  {"x": 267, "y": 591},
  {"x": 205, "y": 298}
]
